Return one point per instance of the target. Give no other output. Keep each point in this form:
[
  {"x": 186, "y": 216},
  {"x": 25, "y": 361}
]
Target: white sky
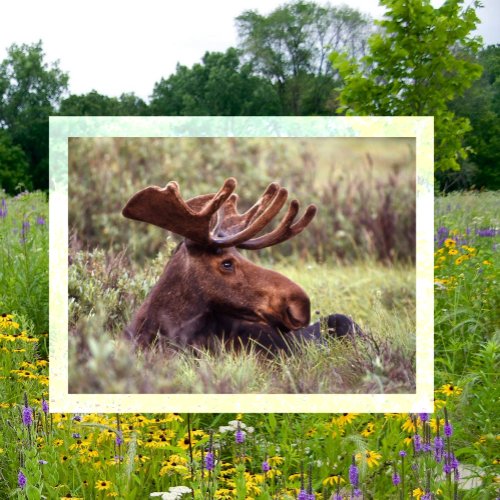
[{"x": 117, "y": 46}]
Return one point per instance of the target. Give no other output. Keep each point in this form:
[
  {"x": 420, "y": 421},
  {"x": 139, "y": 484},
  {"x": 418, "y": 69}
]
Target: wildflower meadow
[{"x": 452, "y": 453}]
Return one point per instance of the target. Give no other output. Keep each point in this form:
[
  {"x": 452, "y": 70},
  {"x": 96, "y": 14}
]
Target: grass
[{"x": 105, "y": 292}]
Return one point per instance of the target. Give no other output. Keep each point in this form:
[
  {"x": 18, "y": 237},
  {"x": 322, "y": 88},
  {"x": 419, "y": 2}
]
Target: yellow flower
[
  {"x": 409, "y": 425},
  {"x": 449, "y": 243},
  {"x": 487, "y": 263},
  {"x": 333, "y": 480},
  {"x": 103, "y": 485},
  {"x": 369, "y": 429},
  {"x": 460, "y": 259},
  {"x": 418, "y": 493},
  {"x": 276, "y": 460},
  {"x": 450, "y": 390},
  {"x": 452, "y": 251},
  {"x": 372, "y": 458},
  {"x": 345, "y": 418}
]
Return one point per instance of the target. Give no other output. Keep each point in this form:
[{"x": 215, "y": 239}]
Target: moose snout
[{"x": 297, "y": 313}]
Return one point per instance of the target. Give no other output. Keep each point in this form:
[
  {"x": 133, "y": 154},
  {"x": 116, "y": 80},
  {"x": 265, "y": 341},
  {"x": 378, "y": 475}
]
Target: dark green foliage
[
  {"x": 14, "y": 175},
  {"x": 218, "y": 86},
  {"x": 30, "y": 91},
  {"x": 95, "y": 104},
  {"x": 416, "y": 65},
  {"x": 481, "y": 105}
]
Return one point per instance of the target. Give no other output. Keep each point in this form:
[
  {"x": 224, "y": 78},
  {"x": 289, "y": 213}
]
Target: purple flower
[
  {"x": 417, "y": 442},
  {"x": 303, "y": 495},
  {"x": 337, "y": 496},
  {"x": 45, "y": 406},
  {"x": 438, "y": 448},
  {"x": 402, "y": 453},
  {"x": 209, "y": 461},
  {"x": 448, "y": 429},
  {"x": 75, "y": 435},
  {"x": 77, "y": 418},
  {"x": 119, "y": 439},
  {"x": 490, "y": 232},
  {"x": 396, "y": 479},
  {"x": 40, "y": 221},
  {"x": 3, "y": 210},
  {"x": 353, "y": 474},
  {"x": 265, "y": 466},
  {"x": 424, "y": 417},
  {"x": 427, "y": 496},
  {"x": 25, "y": 228},
  {"x": 21, "y": 480},
  {"x": 27, "y": 416},
  {"x": 43, "y": 462},
  {"x": 239, "y": 436}
]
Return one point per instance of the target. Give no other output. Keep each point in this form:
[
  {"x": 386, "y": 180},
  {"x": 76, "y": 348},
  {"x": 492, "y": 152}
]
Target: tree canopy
[
  {"x": 220, "y": 85},
  {"x": 421, "y": 59},
  {"x": 290, "y": 48},
  {"x": 30, "y": 91}
]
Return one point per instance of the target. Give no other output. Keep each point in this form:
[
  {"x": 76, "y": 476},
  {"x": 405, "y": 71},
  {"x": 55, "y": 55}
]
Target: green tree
[
  {"x": 220, "y": 85},
  {"x": 417, "y": 63},
  {"x": 30, "y": 91},
  {"x": 290, "y": 47},
  {"x": 14, "y": 166},
  {"x": 481, "y": 105},
  {"x": 95, "y": 104}
]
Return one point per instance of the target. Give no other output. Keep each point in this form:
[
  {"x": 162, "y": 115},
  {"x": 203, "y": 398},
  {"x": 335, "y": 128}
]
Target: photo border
[{"x": 62, "y": 128}]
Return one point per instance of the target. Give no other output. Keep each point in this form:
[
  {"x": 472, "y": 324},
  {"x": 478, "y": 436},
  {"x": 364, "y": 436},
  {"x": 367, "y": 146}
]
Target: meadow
[
  {"x": 452, "y": 453},
  {"x": 356, "y": 258}
]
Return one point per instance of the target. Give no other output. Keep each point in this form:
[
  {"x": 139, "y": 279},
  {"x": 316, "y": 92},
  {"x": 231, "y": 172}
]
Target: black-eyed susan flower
[
  {"x": 450, "y": 390},
  {"x": 371, "y": 457},
  {"x": 333, "y": 480},
  {"x": 103, "y": 485}
]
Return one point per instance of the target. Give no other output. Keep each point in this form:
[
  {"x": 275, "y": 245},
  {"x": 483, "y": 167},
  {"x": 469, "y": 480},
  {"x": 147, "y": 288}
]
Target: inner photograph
[{"x": 229, "y": 265}]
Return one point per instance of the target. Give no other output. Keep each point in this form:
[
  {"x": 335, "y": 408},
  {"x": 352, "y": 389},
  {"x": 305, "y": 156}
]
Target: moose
[{"x": 210, "y": 292}]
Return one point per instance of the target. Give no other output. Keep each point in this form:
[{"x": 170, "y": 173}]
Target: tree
[
  {"x": 290, "y": 47},
  {"x": 481, "y": 105},
  {"x": 14, "y": 166},
  {"x": 417, "y": 63},
  {"x": 30, "y": 91},
  {"x": 95, "y": 104},
  {"x": 220, "y": 85}
]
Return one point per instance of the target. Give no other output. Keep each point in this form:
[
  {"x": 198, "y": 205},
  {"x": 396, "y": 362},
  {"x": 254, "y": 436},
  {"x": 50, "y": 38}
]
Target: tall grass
[{"x": 24, "y": 258}]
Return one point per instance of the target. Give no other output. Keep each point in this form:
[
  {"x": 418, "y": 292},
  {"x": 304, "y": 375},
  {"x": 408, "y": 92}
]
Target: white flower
[{"x": 173, "y": 493}]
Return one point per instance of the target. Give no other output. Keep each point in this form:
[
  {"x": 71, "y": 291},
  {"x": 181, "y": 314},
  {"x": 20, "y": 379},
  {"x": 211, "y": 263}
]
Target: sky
[{"x": 117, "y": 46}]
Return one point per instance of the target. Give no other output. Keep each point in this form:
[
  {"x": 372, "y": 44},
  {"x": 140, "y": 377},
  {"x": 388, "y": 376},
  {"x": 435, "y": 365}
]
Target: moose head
[{"x": 208, "y": 289}]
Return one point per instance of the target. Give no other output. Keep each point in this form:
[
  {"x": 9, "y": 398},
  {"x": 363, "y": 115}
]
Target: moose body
[{"x": 208, "y": 291}]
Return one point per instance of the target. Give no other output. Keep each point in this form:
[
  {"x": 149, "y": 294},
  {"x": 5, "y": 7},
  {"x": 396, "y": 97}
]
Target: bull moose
[{"x": 208, "y": 290}]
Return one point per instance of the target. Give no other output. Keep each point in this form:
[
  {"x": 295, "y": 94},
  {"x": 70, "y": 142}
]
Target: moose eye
[{"x": 227, "y": 265}]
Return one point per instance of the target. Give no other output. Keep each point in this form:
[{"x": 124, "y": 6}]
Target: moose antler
[{"x": 214, "y": 220}]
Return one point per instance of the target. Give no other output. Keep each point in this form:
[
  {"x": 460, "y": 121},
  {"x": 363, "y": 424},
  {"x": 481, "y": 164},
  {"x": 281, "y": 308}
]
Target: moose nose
[{"x": 298, "y": 312}]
